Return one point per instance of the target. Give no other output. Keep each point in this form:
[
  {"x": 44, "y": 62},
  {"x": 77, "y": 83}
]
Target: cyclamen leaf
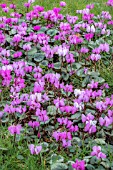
[{"x": 59, "y": 166}]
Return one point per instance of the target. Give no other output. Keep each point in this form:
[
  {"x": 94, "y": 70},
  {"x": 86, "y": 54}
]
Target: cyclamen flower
[
  {"x": 62, "y": 4},
  {"x": 90, "y": 126},
  {"x": 62, "y": 51},
  {"x": 31, "y": 1},
  {"x": 1, "y": 114},
  {"x": 27, "y": 47},
  {"x": 70, "y": 58},
  {"x": 90, "y": 6},
  {"x": 27, "y": 5},
  {"x": 95, "y": 57},
  {"x": 37, "y": 28},
  {"x": 79, "y": 165},
  {"x": 6, "y": 9},
  {"x": 35, "y": 150},
  {"x": 110, "y": 3},
  {"x": 59, "y": 102},
  {"x": 72, "y": 19},
  {"x": 34, "y": 124},
  {"x": 17, "y": 54},
  {"x": 105, "y": 121},
  {"x": 3, "y": 5},
  {"x": 16, "y": 38},
  {"x": 84, "y": 50},
  {"x": 15, "y": 129},
  {"x": 97, "y": 152},
  {"x": 93, "y": 85},
  {"x": 12, "y": 6},
  {"x": 89, "y": 36}
]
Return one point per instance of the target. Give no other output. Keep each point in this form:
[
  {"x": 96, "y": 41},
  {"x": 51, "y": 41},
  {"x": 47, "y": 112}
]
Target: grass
[{"x": 72, "y": 5}]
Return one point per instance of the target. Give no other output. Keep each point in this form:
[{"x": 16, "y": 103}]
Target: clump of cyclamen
[{"x": 70, "y": 101}]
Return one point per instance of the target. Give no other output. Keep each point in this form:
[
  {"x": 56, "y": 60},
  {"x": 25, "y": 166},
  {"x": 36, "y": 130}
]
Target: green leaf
[
  {"x": 65, "y": 76},
  {"x": 94, "y": 160},
  {"x": 43, "y": 29},
  {"x": 56, "y": 158},
  {"x": 32, "y": 51},
  {"x": 70, "y": 165},
  {"x": 12, "y": 32},
  {"x": 85, "y": 81},
  {"x": 3, "y": 149},
  {"x": 59, "y": 166},
  {"x": 38, "y": 57},
  {"x": 100, "y": 141},
  {"x": 76, "y": 116},
  {"x": 31, "y": 63},
  {"x": 100, "y": 168},
  {"x": 20, "y": 157},
  {"x": 51, "y": 110},
  {"x": 44, "y": 63},
  {"x": 52, "y": 32},
  {"x": 80, "y": 72},
  {"x": 90, "y": 167},
  {"x": 57, "y": 65},
  {"x": 5, "y": 119},
  {"x": 76, "y": 65},
  {"x": 99, "y": 79}
]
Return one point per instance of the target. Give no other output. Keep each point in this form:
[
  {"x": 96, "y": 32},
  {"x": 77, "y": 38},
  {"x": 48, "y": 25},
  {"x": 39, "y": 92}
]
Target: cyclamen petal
[
  {"x": 32, "y": 149},
  {"x": 38, "y": 149}
]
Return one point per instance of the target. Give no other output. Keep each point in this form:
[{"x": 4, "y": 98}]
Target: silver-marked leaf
[{"x": 38, "y": 57}]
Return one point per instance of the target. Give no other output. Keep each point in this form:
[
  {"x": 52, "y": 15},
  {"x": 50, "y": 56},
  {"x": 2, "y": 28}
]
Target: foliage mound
[{"x": 53, "y": 100}]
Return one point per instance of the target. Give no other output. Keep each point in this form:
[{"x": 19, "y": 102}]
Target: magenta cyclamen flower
[
  {"x": 35, "y": 150},
  {"x": 3, "y": 5},
  {"x": 15, "y": 129},
  {"x": 89, "y": 36},
  {"x": 17, "y": 54},
  {"x": 37, "y": 28},
  {"x": 79, "y": 165},
  {"x": 97, "y": 152}
]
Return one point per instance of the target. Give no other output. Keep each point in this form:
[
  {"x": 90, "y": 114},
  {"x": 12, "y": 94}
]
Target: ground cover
[{"x": 56, "y": 101}]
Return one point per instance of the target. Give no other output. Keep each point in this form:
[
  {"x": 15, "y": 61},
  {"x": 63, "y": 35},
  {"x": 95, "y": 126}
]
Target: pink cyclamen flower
[
  {"x": 31, "y": 1},
  {"x": 110, "y": 3},
  {"x": 15, "y": 129},
  {"x": 105, "y": 121},
  {"x": 12, "y": 6},
  {"x": 35, "y": 150},
  {"x": 62, "y": 4},
  {"x": 97, "y": 152},
  {"x": 27, "y": 47},
  {"x": 1, "y": 114},
  {"x": 27, "y": 5},
  {"x": 6, "y": 9},
  {"x": 79, "y": 165},
  {"x": 34, "y": 124}
]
